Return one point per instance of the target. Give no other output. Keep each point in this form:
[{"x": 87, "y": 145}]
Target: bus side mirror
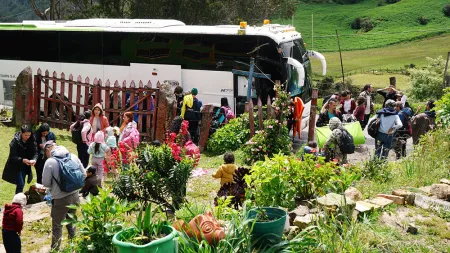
[
  {"x": 300, "y": 70},
  {"x": 317, "y": 55}
]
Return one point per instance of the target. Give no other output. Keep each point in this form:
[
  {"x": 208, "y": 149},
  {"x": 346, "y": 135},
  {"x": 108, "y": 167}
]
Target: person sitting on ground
[
  {"x": 389, "y": 123},
  {"x": 348, "y": 105},
  {"x": 226, "y": 170},
  {"x": 331, "y": 112},
  {"x": 311, "y": 148},
  {"x": 388, "y": 93},
  {"x": 332, "y": 145},
  {"x": 360, "y": 110},
  {"x": 12, "y": 223},
  {"x": 423, "y": 122},
  {"x": 91, "y": 183}
]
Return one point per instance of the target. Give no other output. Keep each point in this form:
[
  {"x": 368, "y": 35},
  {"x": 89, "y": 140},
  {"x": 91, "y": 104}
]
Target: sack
[
  {"x": 346, "y": 144},
  {"x": 372, "y": 128},
  {"x": 76, "y": 134},
  {"x": 70, "y": 175}
]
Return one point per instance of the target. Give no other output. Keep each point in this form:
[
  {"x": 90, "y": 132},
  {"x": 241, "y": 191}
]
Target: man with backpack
[
  {"x": 403, "y": 133},
  {"x": 340, "y": 143},
  {"x": 190, "y": 111},
  {"x": 389, "y": 122},
  {"x": 64, "y": 175}
]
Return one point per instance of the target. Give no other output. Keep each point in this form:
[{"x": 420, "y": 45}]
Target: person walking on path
[
  {"x": 87, "y": 136},
  {"x": 60, "y": 199},
  {"x": 389, "y": 123},
  {"x": 367, "y": 94},
  {"x": 12, "y": 224},
  {"x": 98, "y": 120},
  {"x": 22, "y": 155},
  {"x": 423, "y": 122},
  {"x": 41, "y": 136},
  {"x": 388, "y": 93}
]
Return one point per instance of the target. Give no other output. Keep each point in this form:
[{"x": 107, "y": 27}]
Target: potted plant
[
  {"x": 146, "y": 236},
  {"x": 268, "y": 225}
]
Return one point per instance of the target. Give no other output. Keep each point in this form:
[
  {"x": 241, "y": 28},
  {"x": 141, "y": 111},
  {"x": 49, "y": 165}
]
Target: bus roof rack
[{"x": 128, "y": 23}]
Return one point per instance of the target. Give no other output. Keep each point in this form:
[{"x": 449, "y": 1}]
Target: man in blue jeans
[{"x": 389, "y": 123}]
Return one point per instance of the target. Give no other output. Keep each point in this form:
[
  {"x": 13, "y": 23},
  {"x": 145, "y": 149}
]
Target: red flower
[{"x": 318, "y": 165}]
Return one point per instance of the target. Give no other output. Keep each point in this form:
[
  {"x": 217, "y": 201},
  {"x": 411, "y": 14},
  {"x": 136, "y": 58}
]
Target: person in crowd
[
  {"x": 423, "y": 122},
  {"x": 178, "y": 91},
  {"x": 22, "y": 155},
  {"x": 360, "y": 111},
  {"x": 226, "y": 110},
  {"x": 310, "y": 148},
  {"x": 331, "y": 146},
  {"x": 388, "y": 93},
  {"x": 98, "y": 120},
  {"x": 87, "y": 136},
  {"x": 12, "y": 223},
  {"x": 331, "y": 112},
  {"x": 98, "y": 149},
  {"x": 368, "y": 104},
  {"x": 91, "y": 183},
  {"x": 389, "y": 123},
  {"x": 129, "y": 137},
  {"x": 111, "y": 141},
  {"x": 348, "y": 105},
  {"x": 190, "y": 111},
  {"x": 192, "y": 150},
  {"x": 402, "y": 98},
  {"x": 41, "y": 136},
  {"x": 336, "y": 95},
  {"x": 403, "y": 133},
  {"x": 226, "y": 170},
  {"x": 60, "y": 198}
]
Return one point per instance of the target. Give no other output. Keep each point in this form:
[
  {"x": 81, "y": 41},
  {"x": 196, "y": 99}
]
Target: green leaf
[{"x": 66, "y": 222}]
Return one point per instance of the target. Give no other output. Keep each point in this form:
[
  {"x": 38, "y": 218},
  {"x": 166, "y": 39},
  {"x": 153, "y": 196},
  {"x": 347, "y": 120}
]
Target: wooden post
[
  {"x": 393, "y": 81},
  {"x": 340, "y": 56},
  {"x": 446, "y": 78},
  {"x": 260, "y": 114},
  {"x": 312, "y": 115},
  {"x": 269, "y": 108},
  {"x": 207, "y": 114},
  {"x": 249, "y": 109}
]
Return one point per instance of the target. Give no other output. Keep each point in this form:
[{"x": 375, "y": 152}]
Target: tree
[{"x": 427, "y": 83}]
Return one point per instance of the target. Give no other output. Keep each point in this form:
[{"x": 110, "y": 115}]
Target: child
[
  {"x": 111, "y": 141},
  {"x": 91, "y": 183},
  {"x": 311, "y": 148},
  {"x": 98, "y": 150},
  {"x": 13, "y": 222},
  {"x": 360, "y": 111},
  {"x": 226, "y": 170}
]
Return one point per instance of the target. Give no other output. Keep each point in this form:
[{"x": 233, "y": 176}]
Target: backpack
[
  {"x": 229, "y": 114},
  {"x": 70, "y": 175},
  {"x": 76, "y": 134},
  {"x": 346, "y": 144},
  {"x": 372, "y": 128},
  {"x": 407, "y": 127}
]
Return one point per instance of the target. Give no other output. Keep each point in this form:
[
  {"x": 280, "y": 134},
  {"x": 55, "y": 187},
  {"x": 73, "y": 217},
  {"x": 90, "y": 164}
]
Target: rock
[
  {"x": 382, "y": 202},
  {"x": 333, "y": 201},
  {"x": 441, "y": 191},
  {"x": 412, "y": 229},
  {"x": 354, "y": 194},
  {"x": 293, "y": 231},
  {"x": 445, "y": 181},
  {"x": 362, "y": 206},
  {"x": 397, "y": 199},
  {"x": 426, "y": 202},
  {"x": 409, "y": 196},
  {"x": 299, "y": 211},
  {"x": 426, "y": 189},
  {"x": 303, "y": 222}
]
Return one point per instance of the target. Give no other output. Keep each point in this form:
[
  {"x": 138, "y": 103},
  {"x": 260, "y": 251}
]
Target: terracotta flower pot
[{"x": 202, "y": 226}]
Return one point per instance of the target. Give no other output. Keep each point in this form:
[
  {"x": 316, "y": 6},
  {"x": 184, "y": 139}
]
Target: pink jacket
[
  {"x": 192, "y": 151},
  {"x": 86, "y": 133},
  {"x": 130, "y": 135}
]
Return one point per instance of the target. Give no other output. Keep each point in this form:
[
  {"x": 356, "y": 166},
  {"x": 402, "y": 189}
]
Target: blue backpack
[{"x": 70, "y": 175}]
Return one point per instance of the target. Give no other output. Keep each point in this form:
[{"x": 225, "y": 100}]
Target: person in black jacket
[
  {"x": 41, "y": 136},
  {"x": 91, "y": 183},
  {"x": 22, "y": 155},
  {"x": 388, "y": 93},
  {"x": 329, "y": 113}
]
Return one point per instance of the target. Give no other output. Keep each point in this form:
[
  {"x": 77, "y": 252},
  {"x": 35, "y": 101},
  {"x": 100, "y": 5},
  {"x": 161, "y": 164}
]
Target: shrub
[
  {"x": 366, "y": 25},
  {"x": 446, "y": 10},
  {"x": 427, "y": 83},
  {"x": 377, "y": 169},
  {"x": 392, "y": 1},
  {"x": 356, "y": 24},
  {"x": 422, "y": 20},
  {"x": 231, "y": 136},
  {"x": 443, "y": 109}
]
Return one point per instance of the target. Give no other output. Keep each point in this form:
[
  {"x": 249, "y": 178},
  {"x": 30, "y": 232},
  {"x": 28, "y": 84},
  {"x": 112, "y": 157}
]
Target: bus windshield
[{"x": 295, "y": 49}]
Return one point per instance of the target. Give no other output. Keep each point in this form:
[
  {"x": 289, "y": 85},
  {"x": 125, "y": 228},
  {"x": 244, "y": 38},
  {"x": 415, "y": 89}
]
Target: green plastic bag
[{"x": 354, "y": 128}]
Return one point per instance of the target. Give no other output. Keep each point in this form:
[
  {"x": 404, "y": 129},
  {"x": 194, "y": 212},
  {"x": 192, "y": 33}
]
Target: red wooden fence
[{"x": 59, "y": 101}]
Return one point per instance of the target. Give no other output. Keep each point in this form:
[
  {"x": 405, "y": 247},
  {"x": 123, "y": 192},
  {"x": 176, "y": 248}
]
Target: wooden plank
[
  {"x": 37, "y": 99},
  {"x": 260, "y": 114},
  {"x": 269, "y": 107},
  {"x": 69, "y": 95},
  {"x": 249, "y": 109},
  {"x": 155, "y": 112},
  {"x": 78, "y": 95},
  {"x": 46, "y": 95},
  {"x": 61, "y": 106},
  {"x": 107, "y": 92},
  {"x": 54, "y": 104},
  {"x": 141, "y": 107},
  {"x": 86, "y": 95},
  {"x": 124, "y": 102},
  {"x": 115, "y": 100}
]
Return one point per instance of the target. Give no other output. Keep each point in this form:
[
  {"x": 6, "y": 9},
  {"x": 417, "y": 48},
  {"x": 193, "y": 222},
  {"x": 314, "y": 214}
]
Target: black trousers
[
  {"x": 83, "y": 155},
  {"x": 39, "y": 166},
  {"x": 365, "y": 121},
  {"x": 11, "y": 241}
]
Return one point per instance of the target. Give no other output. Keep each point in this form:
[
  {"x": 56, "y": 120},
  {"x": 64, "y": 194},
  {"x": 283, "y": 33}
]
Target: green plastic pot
[
  {"x": 167, "y": 244},
  {"x": 267, "y": 233}
]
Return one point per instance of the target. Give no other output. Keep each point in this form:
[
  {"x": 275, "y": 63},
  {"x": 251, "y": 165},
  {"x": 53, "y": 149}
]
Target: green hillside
[{"x": 393, "y": 23}]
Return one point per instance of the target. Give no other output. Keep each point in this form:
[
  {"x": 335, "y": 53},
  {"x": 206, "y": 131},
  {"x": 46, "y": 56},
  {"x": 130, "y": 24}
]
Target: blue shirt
[
  {"x": 331, "y": 115},
  {"x": 388, "y": 122}
]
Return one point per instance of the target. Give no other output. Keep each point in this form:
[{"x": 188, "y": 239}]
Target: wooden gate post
[
  {"x": 207, "y": 114},
  {"x": 393, "y": 81},
  {"x": 24, "y": 103},
  {"x": 312, "y": 115}
]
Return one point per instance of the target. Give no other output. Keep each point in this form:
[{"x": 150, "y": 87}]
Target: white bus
[{"x": 158, "y": 50}]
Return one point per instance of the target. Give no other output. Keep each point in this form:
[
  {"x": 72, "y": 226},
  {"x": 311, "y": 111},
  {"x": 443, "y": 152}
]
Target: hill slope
[{"x": 393, "y": 23}]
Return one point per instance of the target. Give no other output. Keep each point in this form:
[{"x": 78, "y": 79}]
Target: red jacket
[
  {"x": 359, "y": 112},
  {"x": 13, "y": 217}
]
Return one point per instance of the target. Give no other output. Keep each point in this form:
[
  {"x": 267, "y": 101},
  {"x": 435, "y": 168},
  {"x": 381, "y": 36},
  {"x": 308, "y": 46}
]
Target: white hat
[{"x": 20, "y": 198}]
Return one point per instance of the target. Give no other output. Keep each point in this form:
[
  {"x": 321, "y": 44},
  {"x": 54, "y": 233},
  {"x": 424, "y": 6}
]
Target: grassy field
[
  {"x": 380, "y": 80},
  {"x": 393, "y": 23},
  {"x": 390, "y": 57}
]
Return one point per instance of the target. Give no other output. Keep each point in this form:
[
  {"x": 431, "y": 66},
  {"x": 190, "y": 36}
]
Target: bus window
[
  {"x": 10, "y": 45},
  {"x": 81, "y": 47},
  {"x": 39, "y": 46},
  {"x": 295, "y": 50}
]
